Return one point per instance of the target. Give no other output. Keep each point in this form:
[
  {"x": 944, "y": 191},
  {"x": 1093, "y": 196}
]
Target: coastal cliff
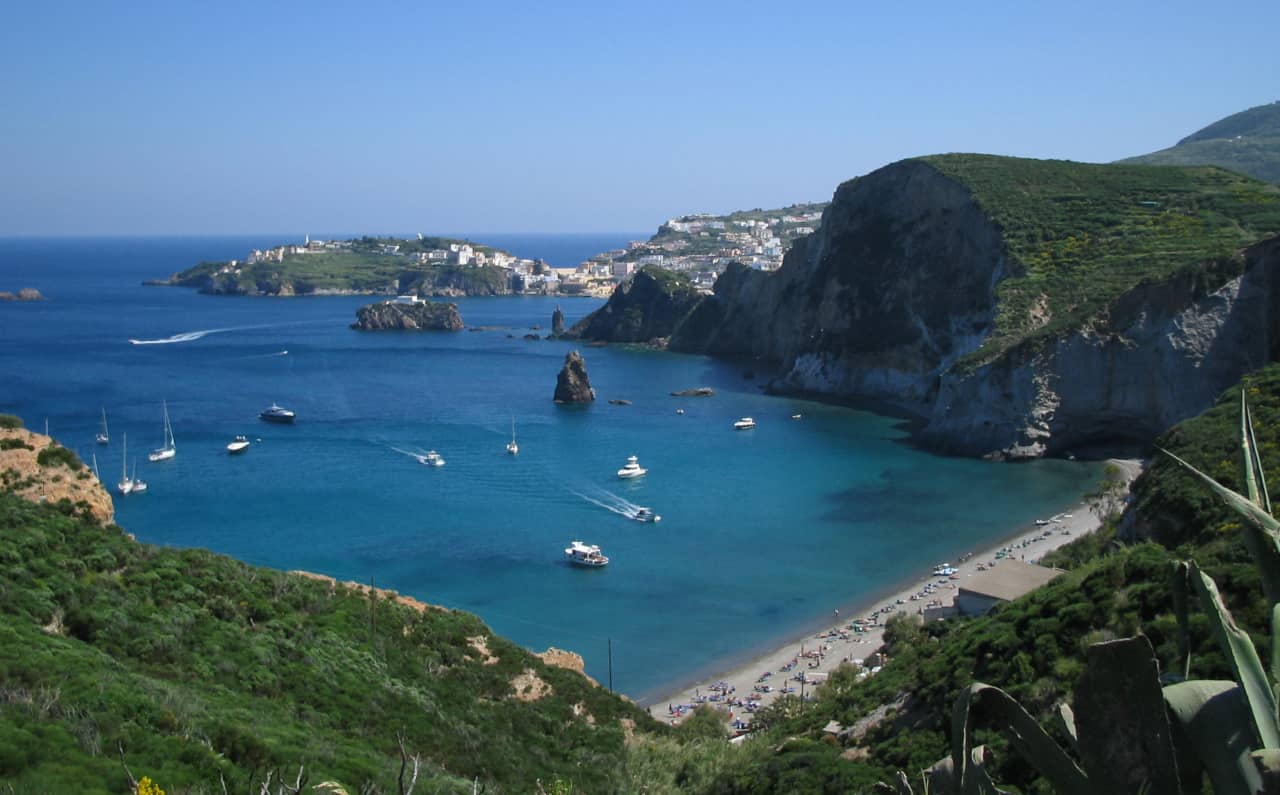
[
  {"x": 421, "y": 316},
  {"x": 647, "y": 308},
  {"x": 1018, "y": 307}
]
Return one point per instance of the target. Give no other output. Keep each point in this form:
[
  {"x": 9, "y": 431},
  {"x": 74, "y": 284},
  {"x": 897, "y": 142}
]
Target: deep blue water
[{"x": 763, "y": 531}]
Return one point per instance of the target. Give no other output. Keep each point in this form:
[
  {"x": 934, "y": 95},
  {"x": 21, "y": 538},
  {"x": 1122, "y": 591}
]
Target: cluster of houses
[{"x": 701, "y": 246}]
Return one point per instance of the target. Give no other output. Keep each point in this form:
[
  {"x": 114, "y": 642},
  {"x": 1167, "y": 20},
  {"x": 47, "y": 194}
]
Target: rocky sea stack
[
  {"x": 420, "y": 316},
  {"x": 572, "y": 385}
]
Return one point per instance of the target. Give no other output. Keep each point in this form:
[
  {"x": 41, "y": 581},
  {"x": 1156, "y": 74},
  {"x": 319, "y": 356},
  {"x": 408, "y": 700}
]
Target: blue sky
[{"x": 175, "y": 118}]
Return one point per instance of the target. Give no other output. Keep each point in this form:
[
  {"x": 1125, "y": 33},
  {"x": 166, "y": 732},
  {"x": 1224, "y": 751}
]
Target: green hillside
[
  {"x": 198, "y": 668},
  {"x": 1247, "y": 142},
  {"x": 1085, "y": 233},
  {"x": 363, "y": 265}
]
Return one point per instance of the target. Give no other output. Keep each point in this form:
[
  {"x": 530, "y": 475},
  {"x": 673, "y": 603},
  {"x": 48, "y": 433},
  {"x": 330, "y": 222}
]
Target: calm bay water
[{"x": 763, "y": 531}]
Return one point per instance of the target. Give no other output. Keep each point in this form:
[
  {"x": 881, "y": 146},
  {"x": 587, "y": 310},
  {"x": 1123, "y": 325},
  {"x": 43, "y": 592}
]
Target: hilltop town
[{"x": 699, "y": 245}]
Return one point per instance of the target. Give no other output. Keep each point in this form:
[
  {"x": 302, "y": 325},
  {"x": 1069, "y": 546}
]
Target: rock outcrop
[
  {"x": 25, "y": 294},
  {"x": 421, "y": 316},
  {"x": 647, "y": 308},
  {"x": 892, "y": 296},
  {"x": 59, "y": 476},
  {"x": 572, "y": 385},
  {"x": 557, "y": 323}
]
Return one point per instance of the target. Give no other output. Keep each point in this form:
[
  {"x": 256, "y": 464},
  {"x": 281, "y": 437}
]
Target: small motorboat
[
  {"x": 278, "y": 415},
  {"x": 744, "y": 424},
  {"x": 632, "y": 468},
  {"x": 796, "y": 416},
  {"x": 238, "y": 445},
  {"x": 431, "y": 458},
  {"x": 589, "y": 555},
  {"x": 646, "y": 515}
]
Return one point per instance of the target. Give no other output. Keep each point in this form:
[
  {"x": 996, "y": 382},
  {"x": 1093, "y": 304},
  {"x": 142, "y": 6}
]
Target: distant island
[
  {"x": 25, "y": 294},
  {"x": 701, "y": 246}
]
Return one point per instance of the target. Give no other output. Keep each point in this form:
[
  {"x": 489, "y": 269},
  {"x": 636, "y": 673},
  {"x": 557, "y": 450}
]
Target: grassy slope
[
  {"x": 1086, "y": 233},
  {"x": 364, "y": 268},
  {"x": 1248, "y": 142},
  {"x": 200, "y": 666},
  {"x": 1035, "y": 647}
]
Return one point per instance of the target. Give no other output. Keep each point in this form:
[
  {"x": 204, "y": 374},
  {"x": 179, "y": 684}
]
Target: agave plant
[{"x": 1128, "y": 733}]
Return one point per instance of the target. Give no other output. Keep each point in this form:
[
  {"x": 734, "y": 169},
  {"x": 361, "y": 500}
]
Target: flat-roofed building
[{"x": 1003, "y": 582}]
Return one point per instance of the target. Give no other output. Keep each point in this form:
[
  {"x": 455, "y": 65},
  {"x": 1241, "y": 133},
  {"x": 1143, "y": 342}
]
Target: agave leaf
[
  {"x": 1032, "y": 743},
  {"x": 1067, "y": 722},
  {"x": 1179, "y": 588},
  {"x": 980, "y": 782},
  {"x": 1126, "y": 741},
  {"x": 1210, "y": 718},
  {"x": 1261, "y": 531},
  {"x": 1243, "y": 657},
  {"x": 1275, "y": 643},
  {"x": 1268, "y": 764},
  {"x": 1250, "y": 461}
]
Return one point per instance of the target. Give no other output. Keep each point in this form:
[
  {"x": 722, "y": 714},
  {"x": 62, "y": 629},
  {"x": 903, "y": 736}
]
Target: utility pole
[{"x": 610, "y": 664}]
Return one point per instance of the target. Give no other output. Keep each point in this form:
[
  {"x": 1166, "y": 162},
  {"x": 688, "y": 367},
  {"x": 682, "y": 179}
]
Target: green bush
[
  {"x": 10, "y": 422},
  {"x": 56, "y": 454}
]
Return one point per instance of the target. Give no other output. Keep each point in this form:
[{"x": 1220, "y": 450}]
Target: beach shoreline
[{"x": 825, "y": 645}]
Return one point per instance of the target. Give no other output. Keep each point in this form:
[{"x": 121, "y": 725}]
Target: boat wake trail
[
  {"x": 192, "y": 336},
  {"x": 189, "y": 336},
  {"x": 610, "y": 502},
  {"x": 265, "y": 355}
]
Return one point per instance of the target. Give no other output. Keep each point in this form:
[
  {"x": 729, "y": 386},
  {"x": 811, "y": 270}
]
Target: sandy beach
[{"x": 854, "y": 635}]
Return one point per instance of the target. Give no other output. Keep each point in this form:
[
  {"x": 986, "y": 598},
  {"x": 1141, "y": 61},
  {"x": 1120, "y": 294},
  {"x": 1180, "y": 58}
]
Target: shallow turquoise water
[{"x": 763, "y": 531}]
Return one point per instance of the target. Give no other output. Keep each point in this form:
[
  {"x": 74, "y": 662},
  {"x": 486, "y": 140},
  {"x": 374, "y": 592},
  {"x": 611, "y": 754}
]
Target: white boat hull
[{"x": 161, "y": 455}]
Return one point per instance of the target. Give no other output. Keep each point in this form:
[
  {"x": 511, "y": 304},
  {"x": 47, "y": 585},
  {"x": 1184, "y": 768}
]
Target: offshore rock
[
  {"x": 572, "y": 385},
  {"x": 557, "y": 323},
  {"x": 648, "y": 308},
  {"x": 421, "y": 316},
  {"x": 25, "y": 294}
]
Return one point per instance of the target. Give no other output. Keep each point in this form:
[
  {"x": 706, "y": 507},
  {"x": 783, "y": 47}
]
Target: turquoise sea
[{"x": 763, "y": 532}]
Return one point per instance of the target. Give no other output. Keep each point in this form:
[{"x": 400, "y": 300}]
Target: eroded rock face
[
  {"x": 557, "y": 323},
  {"x": 572, "y": 385},
  {"x": 1161, "y": 353},
  {"x": 53, "y": 482},
  {"x": 897, "y": 284},
  {"x": 423, "y": 316}
]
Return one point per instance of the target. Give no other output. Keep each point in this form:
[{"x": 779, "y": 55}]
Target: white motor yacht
[
  {"x": 238, "y": 445},
  {"x": 632, "y": 469},
  {"x": 589, "y": 555},
  {"x": 746, "y": 423},
  {"x": 646, "y": 515},
  {"x": 431, "y": 458}
]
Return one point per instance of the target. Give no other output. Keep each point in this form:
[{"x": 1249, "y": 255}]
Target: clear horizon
[{"x": 150, "y": 120}]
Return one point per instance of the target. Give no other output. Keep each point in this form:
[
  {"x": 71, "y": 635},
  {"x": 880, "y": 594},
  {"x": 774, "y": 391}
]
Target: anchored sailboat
[
  {"x": 169, "y": 450},
  {"x": 512, "y": 447},
  {"x": 104, "y": 437},
  {"x": 125, "y": 486}
]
